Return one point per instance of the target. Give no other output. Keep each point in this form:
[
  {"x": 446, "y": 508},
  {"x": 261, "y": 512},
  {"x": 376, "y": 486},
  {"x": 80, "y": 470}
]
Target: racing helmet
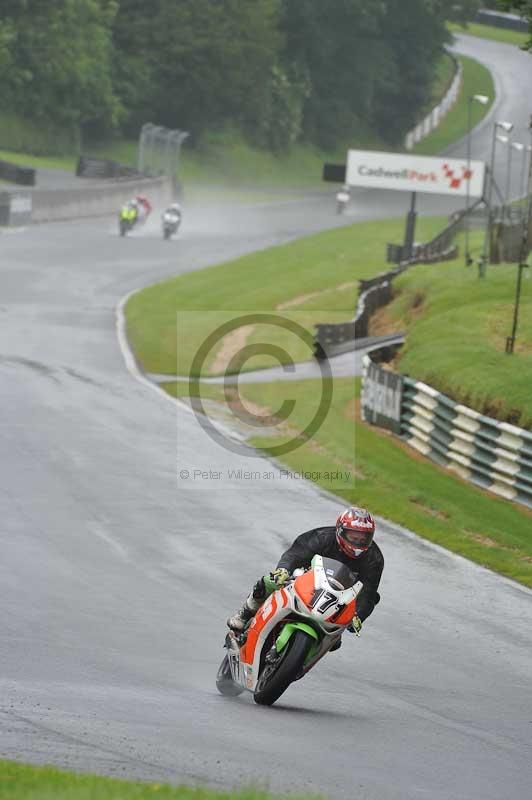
[{"x": 355, "y": 528}]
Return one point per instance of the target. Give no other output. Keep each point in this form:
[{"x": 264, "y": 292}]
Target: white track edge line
[{"x": 134, "y": 369}]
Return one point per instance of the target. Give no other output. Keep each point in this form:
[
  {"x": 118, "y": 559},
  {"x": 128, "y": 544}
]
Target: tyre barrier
[
  {"x": 493, "y": 455},
  {"x": 89, "y": 167},
  {"x": 24, "y": 176}
]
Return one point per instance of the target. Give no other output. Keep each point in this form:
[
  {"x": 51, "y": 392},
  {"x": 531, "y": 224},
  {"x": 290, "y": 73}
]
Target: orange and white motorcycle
[{"x": 295, "y": 627}]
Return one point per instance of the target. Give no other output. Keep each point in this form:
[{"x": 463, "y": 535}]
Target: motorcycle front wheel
[{"x": 272, "y": 685}]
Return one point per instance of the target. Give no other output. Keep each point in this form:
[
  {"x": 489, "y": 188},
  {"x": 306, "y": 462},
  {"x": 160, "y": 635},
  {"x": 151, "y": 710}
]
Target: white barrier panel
[
  {"x": 421, "y": 130},
  {"x": 408, "y": 173}
]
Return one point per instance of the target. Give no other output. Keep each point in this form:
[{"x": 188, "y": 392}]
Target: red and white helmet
[{"x": 354, "y": 531}]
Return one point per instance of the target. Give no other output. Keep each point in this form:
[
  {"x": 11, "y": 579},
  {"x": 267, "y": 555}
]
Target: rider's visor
[{"x": 358, "y": 539}]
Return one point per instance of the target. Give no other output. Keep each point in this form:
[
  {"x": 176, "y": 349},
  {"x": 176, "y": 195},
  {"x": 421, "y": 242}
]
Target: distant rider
[
  {"x": 130, "y": 211},
  {"x": 342, "y": 198},
  {"x": 144, "y": 207},
  {"x": 173, "y": 214},
  {"x": 350, "y": 542}
]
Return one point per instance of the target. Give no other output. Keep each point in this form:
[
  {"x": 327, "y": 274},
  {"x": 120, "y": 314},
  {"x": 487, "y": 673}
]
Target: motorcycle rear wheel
[
  {"x": 289, "y": 669},
  {"x": 224, "y": 680}
]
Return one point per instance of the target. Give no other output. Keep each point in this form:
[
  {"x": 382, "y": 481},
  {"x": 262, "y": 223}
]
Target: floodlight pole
[{"x": 523, "y": 264}]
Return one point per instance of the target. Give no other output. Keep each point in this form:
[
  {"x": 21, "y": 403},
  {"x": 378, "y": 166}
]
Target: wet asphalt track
[{"x": 116, "y": 577}]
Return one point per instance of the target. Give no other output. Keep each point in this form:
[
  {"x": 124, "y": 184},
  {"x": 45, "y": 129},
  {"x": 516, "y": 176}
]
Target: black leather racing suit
[{"x": 322, "y": 541}]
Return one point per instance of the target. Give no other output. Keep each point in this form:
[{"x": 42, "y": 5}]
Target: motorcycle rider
[
  {"x": 142, "y": 205},
  {"x": 342, "y": 198},
  {"x": 173, "y": 214},
  {"x": 129, "y": 211},
  {"x": 350, "y": 541}
]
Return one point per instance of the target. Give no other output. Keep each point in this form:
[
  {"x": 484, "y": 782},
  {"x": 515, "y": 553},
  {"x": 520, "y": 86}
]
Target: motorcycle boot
[{"x": 239, "y": 621}]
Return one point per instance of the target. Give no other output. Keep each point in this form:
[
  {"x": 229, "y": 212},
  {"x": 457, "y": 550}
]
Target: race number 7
[{"x": 322, "y": 601}]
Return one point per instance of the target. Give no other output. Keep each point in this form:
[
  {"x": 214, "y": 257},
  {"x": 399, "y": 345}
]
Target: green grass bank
[
  {"x": 457, "y": 327},
  {"x": 22, "y": 782},
  {"x": 490, "y": 32},
  {"x": 319, "y": 272}
]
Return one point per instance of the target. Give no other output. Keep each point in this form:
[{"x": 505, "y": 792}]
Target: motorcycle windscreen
[{"x": 338, "y": 573}]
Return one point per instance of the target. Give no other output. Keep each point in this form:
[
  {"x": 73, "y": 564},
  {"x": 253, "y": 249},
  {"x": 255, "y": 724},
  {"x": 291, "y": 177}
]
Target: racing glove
[
  {"x": 355, "y": 626},
  {"x": 276, "y": 579}
]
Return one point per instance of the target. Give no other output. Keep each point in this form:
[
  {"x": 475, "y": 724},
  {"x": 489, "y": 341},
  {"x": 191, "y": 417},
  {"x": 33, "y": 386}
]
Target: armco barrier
[
  {"x": 491, "y": 454},
  {"x": 97, "y": 200},
  {"x": 333, "y": 339},
  {"x": 434, "y": 117}
]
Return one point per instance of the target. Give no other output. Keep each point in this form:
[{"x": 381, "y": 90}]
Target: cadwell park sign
[{"x": 404, "y": 172}]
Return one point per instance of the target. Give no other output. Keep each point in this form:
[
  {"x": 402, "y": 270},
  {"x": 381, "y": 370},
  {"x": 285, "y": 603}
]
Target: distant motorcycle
[
  {"x": 342, "y": 199},
  {"x": 127, "y": 219},
  {"x": 171, "y": 220},
  {"x": 295, "y": 627}
]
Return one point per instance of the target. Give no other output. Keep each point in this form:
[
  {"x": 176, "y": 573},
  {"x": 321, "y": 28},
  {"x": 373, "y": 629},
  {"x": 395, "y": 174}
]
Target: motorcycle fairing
[
  {"x": 272, "y": 611},
  {"x": 314, "y": 605}
]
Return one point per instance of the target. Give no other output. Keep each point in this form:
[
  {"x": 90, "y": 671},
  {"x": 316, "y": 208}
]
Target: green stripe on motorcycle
[{"x": 289, "y": 630}]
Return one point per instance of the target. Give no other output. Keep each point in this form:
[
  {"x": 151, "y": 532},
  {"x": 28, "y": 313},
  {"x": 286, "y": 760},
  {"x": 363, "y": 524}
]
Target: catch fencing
[
  {"x": 159, "y": 150},
  {"x": 436, "y": 115},
  {"x": 494, "y": 455}
]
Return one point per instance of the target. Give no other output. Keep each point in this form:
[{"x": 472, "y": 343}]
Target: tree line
[{"x": 279, "y": 71}]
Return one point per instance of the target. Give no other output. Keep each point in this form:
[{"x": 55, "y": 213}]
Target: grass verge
[
  {"x": 319, "y": 272},
  {"x": 21, "y": 782},
  {"x": 477, "y": 80},
  {"x": 67, "y": 163},
  {"x": 517, "y": 38}
]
